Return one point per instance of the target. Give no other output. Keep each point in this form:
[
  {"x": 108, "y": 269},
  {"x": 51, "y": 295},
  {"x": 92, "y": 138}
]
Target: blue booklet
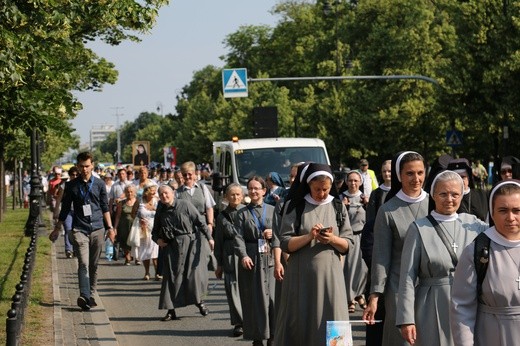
[{"x": 339, "y": 333}]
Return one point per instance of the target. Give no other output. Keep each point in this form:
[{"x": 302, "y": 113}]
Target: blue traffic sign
[
  {"x": 234, "y": 82},
  {"x": 453, "y": 138}
]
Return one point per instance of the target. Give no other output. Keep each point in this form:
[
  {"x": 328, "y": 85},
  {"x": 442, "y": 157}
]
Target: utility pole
[{"x": 118, "y": 132}]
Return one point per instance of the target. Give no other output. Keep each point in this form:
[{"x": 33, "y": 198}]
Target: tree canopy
[
  {"x": 471, "y": 48},
  {"x": 45, "y": 57}
]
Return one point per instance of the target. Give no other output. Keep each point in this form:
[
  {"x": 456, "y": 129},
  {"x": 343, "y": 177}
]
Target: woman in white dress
[
  {"x": 493, "y": 317},
  {"x": 430, "y": 253},
  {"x": 148, "y": 249}
]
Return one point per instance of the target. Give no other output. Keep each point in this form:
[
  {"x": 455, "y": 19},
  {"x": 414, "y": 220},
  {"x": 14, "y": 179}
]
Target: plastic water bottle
[{"x": 109, "y": 249}]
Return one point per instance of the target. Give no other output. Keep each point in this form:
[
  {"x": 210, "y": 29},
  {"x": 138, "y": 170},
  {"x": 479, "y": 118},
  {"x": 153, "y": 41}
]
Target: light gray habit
[
  {"x": 427, "y": 274},
  {"x": 184, "y": 265},
  {"x": 198, "y": 199},
  {"x": 224, "y": 235},
  {"x": 355, "y": 270},
  {"x": 495, "y": 320},
  {"x": 313, "y": 289},
  {"x": 392, "y": 222},
  {"x": 256, "y": 285}
]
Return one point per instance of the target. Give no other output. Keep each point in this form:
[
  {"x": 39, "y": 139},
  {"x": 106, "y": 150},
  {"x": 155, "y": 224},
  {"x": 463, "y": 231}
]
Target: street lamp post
[
  {"x": 118, "y": 132},
  {"x": 36, "y": 191}
]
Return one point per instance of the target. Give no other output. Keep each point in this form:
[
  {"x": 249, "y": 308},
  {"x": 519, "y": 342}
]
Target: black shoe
[
  {"x": 204, "y": 311},
  {"x": 84, "y": 303},
  {"x": 258, "y": 343},
  {"x": 68, "y": 254},
  {"x": 170, "y": 315},
  {"x": 92, "y": 302},
  {"x": 238, "y": 331}
]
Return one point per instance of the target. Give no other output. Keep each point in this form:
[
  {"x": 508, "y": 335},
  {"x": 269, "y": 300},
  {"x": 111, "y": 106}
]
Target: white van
[{"x": 240, "y": 159}]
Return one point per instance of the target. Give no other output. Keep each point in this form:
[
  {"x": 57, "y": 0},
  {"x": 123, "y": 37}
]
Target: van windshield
[{"x": 260, "y": 162}]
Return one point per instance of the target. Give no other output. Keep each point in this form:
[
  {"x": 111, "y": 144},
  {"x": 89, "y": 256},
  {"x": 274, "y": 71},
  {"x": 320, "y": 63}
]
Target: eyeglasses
[
  {"x": 505, "y": 171},
  {"x": 445, "y": 195}
]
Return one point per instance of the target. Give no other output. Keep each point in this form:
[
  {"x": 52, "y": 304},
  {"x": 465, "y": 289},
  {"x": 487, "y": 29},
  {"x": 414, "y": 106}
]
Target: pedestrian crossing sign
[
  {"x": 234, "y": 82},
  {"x": 453, "y": 138}
]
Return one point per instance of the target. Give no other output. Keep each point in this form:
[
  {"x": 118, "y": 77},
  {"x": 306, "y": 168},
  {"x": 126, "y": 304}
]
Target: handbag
[{"x": 134, "y": 237}]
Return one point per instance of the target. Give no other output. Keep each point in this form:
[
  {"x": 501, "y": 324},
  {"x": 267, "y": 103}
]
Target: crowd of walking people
[{"x": 295, "y": 254}]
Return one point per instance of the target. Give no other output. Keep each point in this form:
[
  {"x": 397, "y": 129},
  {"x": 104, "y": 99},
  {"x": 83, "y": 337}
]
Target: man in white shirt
[{"x": 117, "y": 191}]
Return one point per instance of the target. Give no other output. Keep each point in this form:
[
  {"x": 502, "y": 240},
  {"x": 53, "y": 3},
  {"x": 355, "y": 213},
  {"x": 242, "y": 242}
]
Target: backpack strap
[
  {"x": 444, "y": 239},
  {"x": 227, "y": 216},
  {"x": 338, "y": 206},
  {"x": 481, "y": 259}
]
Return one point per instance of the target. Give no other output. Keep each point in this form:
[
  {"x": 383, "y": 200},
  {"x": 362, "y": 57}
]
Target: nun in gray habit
[
  {"x": 405, "y": 203},
  {"x": 313, "y": 288},
  {"x": 430, "y": 253},
  {"x": 175, "y": 230}
]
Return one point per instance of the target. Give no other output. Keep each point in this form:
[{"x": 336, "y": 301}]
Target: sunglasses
[{"x": 505, "y": 171}]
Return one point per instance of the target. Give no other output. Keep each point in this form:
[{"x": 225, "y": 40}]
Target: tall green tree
[
  {"x": 470, "y": 48},
  {"x": 45, "y": 57}
]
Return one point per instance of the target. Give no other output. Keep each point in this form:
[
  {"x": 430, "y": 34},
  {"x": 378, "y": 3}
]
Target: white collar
[
  {"x": 349, "y": 195},
  {"x": 467, "y": 191},
  {"x": 404, "y": 197},
  {"x": 384, "y": 187},
  {"x": 498, "y": 238},
  {"x": 444, "y": 218},
  {"x": 311, "y": 200}
]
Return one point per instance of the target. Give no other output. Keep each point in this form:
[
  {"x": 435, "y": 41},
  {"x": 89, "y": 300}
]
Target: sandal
[
  {"x": 361, "y": 301},
  {"x": 352, "y": 307}
]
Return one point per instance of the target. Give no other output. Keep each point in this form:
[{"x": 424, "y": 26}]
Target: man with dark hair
[{"x": 88, "y": 196}]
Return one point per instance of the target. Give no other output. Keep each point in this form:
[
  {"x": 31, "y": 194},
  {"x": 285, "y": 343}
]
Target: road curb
[{"x": 94, "y": 326}]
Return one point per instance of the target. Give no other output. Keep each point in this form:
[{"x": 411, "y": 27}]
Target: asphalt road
[{"x": 131, "y": 304}]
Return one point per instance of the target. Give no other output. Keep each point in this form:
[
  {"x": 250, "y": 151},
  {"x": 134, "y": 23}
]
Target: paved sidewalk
[
  {"x": 71, "y": 325},
  {"x": 131, "y": 316}
]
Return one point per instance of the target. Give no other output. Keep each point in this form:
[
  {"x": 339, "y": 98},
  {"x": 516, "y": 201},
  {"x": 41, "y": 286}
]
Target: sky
[{"x": 188, "y": 36}]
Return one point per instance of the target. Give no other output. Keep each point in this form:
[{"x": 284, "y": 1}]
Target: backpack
[
  {"x": 481, "y": 259},
  {"x": 338, "y": 206}
]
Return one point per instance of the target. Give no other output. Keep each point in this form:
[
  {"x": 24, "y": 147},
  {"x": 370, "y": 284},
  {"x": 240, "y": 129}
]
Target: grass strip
[{"x": 38, "y": 327}]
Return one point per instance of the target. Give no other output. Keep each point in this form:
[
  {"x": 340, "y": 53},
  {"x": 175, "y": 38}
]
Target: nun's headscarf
[
  {"x": 397, "y": 164},
  {"x": 495, "y": 188},
  {"x": 306, "y": 173},
  {"x": 462, "y": 166},
  {"x": 316, "y": 169},
  {"x": 440, "y": 164},
  {"x": 344, "y": 186},
  {"x": 300, "y": 172},
  {"x": 448, "y": 174},
  {"x": 276, "y": 178}
]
